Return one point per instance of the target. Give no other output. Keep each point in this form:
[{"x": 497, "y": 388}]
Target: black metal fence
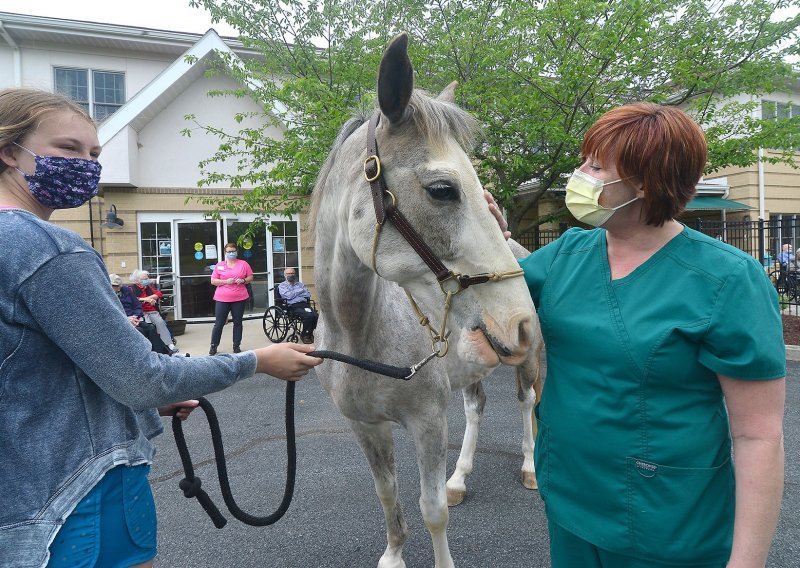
[
  {"x": 536, "y": 239},
  {"x": 773, "y": 242}
]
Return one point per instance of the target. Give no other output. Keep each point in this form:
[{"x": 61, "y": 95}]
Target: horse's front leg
[
  {"x": 529, "y": 389},
  {"x": 378, "y": 446},
  {"x": 474, "y": 402},
  {"x": 430, "y": 438}
]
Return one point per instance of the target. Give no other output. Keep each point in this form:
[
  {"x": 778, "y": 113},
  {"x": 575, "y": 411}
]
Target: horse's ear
[
  {"x": 448, "y": 95},
  {"x": 395, "y": 79}
]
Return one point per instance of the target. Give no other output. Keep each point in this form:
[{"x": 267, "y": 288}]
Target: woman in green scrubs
[{"x": 660, "y": 437}]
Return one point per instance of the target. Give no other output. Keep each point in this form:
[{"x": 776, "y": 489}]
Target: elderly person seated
[
  {"x": 297, "y": 298},
  {"x": 149, "y": 297},
  {"x": 133, "y": 309},
  {"x": 787, "y": 258}
]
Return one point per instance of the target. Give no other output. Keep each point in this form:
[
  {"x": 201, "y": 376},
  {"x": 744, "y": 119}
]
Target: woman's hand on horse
[
  {"x": 180, "y": 409},
  {"x": 498, "y": 215},
  {"x": 287, "y": 361}
]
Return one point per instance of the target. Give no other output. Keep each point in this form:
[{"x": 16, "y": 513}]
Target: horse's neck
[{"x": 350, "y": 294}]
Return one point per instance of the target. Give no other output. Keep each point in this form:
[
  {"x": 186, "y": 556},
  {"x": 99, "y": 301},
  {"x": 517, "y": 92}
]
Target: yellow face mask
[{"x": 583, "y": 195}]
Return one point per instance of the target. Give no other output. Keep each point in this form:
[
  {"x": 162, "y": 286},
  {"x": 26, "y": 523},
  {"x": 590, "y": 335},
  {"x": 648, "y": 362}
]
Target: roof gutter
[{"x": 17, "y": 56}]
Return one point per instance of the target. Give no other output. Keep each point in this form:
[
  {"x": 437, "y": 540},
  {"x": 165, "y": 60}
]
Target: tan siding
[{"x": 121, "y": 245}]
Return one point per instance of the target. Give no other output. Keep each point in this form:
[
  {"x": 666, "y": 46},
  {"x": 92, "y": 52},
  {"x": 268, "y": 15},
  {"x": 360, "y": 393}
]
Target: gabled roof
[
  {"x": 25, "y": 30},
  {"x": 165, "y": 88}
]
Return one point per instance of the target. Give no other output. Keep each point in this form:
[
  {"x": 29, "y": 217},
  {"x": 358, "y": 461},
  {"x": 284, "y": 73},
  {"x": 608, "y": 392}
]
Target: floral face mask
[{"x": 62, "y": 183}]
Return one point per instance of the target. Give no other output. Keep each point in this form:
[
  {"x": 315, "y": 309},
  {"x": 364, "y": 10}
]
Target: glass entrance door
[
  {"x": 198, "y": 251},
  {"x": 253, "y": 250}
]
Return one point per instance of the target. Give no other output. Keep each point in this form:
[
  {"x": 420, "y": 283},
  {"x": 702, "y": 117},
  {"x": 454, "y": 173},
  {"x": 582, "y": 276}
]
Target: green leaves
[{"x": 536, "y": 74}]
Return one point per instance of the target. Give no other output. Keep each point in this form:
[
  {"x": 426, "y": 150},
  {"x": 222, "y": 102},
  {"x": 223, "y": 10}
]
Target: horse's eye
[{"x": 442, "y": 191}]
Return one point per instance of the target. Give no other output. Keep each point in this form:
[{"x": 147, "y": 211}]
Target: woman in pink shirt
[{"x": 231, "y": 277}]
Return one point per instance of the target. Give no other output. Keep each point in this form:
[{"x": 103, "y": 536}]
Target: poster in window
[
  {"x": 165, "y": 248},
  {"x": 278, "y": 244}
]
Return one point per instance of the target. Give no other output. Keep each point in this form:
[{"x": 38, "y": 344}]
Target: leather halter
[
  {"x": 450, "y": 282},
  {"x": 374, "y": 175}
]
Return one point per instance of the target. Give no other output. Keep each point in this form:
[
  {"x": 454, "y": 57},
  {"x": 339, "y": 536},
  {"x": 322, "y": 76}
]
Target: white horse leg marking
[
  {"x": 474, "y": 402},
  {"x": 430, "y": 438},
  {"x": 529, "y": 388},
  {"x": 527, "y": 399},
  {"x": 378, "y": 446}
]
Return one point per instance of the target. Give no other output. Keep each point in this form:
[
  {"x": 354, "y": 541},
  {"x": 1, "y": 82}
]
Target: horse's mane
[{"x": 433, "y": 119}]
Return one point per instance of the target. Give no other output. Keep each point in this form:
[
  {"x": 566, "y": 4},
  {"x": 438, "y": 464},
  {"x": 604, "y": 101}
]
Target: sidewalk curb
[{"x": 793, "y": 352}]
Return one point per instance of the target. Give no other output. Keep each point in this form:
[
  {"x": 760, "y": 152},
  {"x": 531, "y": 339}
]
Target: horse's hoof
[
  {"x": 391, "y": 562},
  {"x": 455, "y": 496},
  {"x": 529, "y": 480}
]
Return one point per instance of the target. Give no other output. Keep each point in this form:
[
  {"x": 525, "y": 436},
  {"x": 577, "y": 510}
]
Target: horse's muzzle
[{"x": 510, "y": 341}]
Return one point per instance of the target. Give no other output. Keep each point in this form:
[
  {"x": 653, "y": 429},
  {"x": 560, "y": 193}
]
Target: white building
[{"x": 139, "y": 85}]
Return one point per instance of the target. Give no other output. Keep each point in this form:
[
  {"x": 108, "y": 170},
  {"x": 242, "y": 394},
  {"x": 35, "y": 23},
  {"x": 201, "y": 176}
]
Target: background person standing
[{"x": 231, "y": 277}]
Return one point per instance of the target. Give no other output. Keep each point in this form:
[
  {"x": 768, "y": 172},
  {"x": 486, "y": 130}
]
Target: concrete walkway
[{"x": 197, "y": 337}]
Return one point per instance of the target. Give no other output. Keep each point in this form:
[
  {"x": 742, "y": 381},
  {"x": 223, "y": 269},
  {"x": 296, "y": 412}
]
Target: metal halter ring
[
  {"x": 377, "y": 165},
  {"x": 454, "y": 278}
]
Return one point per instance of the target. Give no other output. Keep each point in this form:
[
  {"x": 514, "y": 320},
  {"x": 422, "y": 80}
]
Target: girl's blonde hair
[{"x": 21, "y": 111}]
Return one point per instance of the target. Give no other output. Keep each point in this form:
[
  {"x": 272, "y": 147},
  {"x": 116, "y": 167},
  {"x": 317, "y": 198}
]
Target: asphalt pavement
[{"x": 335, "y": 519}]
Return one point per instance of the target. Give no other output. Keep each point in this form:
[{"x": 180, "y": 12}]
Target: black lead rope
[
  {"x": 191, "y": 484},
  {"x": 402, "y": 373}
]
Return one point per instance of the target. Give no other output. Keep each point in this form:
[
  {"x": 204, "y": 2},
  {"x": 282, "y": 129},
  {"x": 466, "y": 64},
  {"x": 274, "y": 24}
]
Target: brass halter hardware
[{"x": 451, "y": 283}]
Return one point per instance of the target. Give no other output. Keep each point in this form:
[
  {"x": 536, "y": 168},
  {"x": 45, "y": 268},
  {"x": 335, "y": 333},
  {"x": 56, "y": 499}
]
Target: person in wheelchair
[
  {"x": 133, "y": 309},
  {"x": 296, "y": 296},
  {"x": 787, "y": 258}
]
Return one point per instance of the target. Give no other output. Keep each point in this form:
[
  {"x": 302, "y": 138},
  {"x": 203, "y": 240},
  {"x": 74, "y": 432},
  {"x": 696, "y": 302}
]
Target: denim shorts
[{"x": 113, "y": 526}]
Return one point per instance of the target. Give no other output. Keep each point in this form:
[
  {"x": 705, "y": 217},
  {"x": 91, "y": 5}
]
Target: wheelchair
[
  {"x": 279, "y": 324},
  {"x": 786, "y": 283}
]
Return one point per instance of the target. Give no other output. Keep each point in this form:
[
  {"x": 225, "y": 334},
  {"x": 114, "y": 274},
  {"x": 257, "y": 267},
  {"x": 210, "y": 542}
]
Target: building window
[
  {"x": 285, "y": 248},
  {"x": 156, "y": 243},
  {"x": 156, "y": 259},
  {"x": 101, "y": 93},
  {"x": 783, "y": 228},
  {"x": 773, "y": 110}
]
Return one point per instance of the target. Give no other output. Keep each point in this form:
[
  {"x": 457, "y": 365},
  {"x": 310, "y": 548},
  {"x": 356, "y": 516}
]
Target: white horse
[{"x": 363, "y": 275}]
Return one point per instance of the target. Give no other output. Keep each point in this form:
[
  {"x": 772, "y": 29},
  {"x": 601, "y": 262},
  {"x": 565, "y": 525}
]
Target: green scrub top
[{"x": 633, "y": 452}]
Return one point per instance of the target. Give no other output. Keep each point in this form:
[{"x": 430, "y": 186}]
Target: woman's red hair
[{"x": 661, "y": 147}]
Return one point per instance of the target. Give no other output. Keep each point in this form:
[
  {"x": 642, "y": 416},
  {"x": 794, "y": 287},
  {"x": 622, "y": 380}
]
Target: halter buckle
[{"x": 377, "y": 161}]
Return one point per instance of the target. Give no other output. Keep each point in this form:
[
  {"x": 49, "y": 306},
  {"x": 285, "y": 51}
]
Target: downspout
[
  {"x": 761, "y": 245},
  {"x": 761, "y": 234},
  {"x": 17, "y": 56},
  {"x": 761, "y": 183}
]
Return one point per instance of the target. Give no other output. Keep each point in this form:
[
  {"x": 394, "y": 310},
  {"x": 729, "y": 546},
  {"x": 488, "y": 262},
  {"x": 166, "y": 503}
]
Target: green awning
[{"x": 712, "y": 203}]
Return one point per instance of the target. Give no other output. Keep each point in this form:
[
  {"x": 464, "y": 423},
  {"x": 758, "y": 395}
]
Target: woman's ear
[{"x": 8, "y": 157}]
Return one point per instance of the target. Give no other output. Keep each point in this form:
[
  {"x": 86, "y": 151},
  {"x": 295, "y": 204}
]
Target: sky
[{"x": 172, "y": 15}]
